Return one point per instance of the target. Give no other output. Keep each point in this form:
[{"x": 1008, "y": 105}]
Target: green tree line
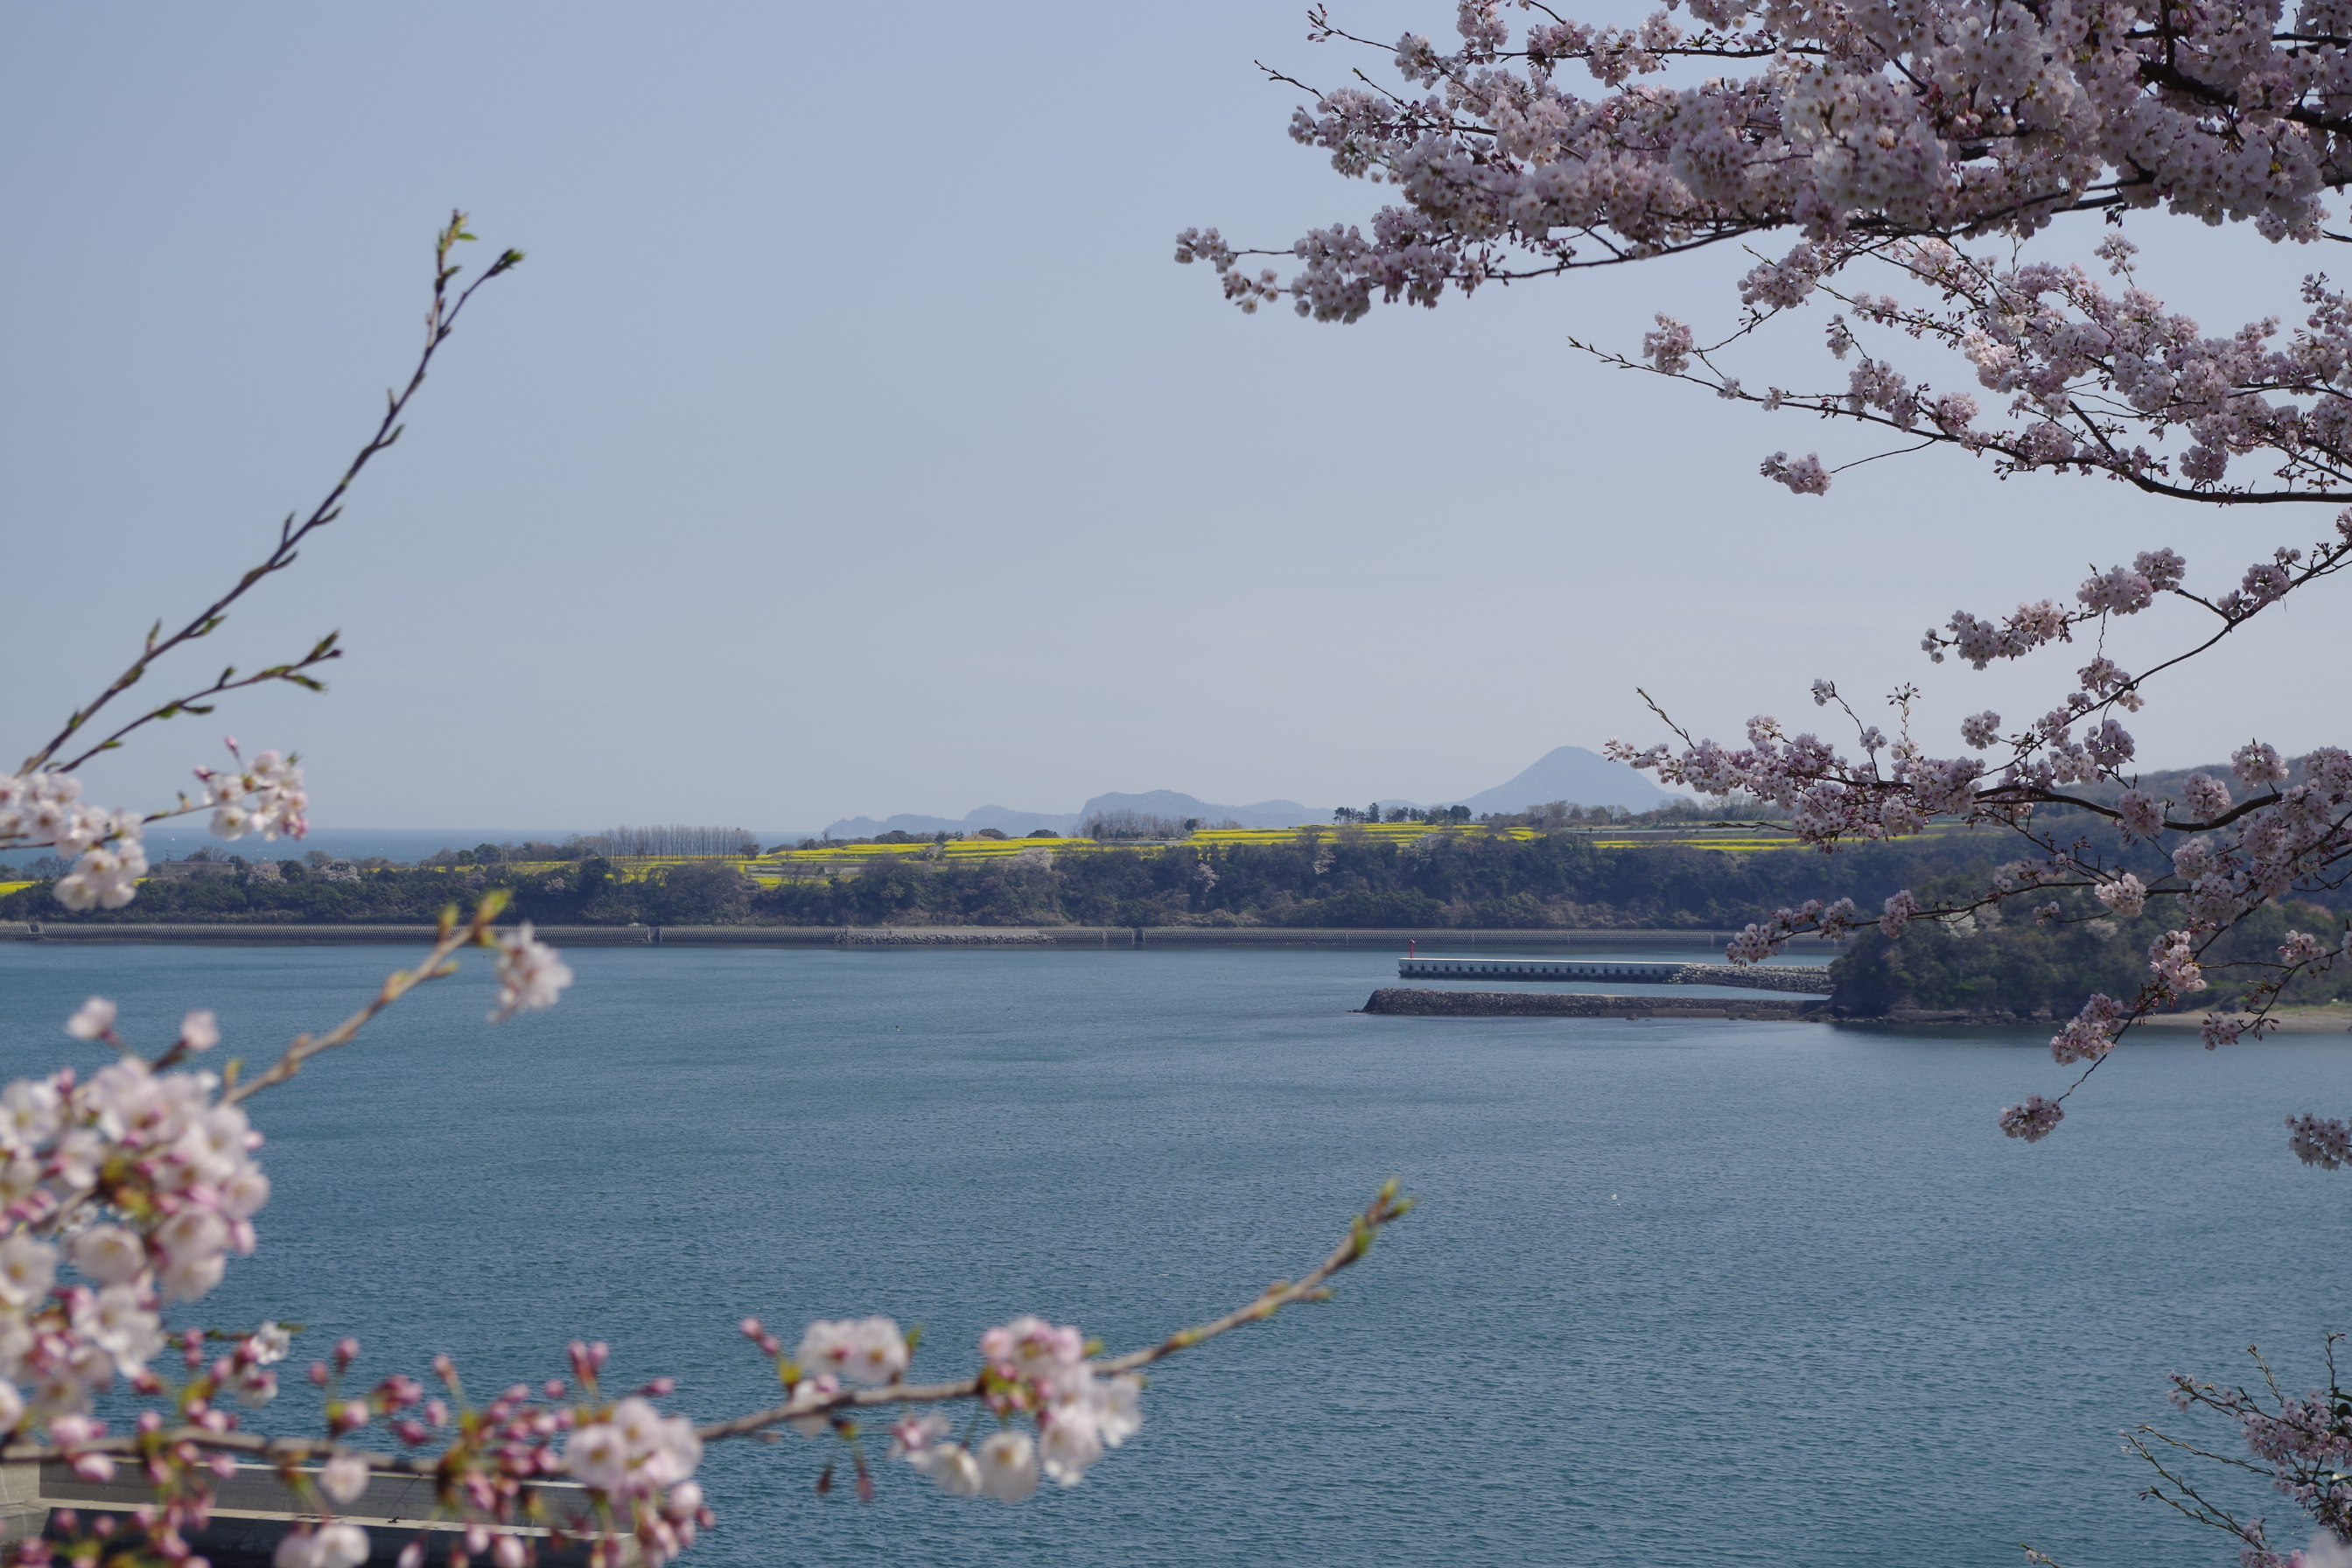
[
  {"x": 2012, "y": 965},
  {"x": 1342, "y": 879}
]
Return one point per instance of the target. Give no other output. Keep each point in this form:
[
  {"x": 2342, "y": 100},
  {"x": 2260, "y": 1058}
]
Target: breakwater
[
  {"x": 1813, "y": 980},
  {"x": 1375, "y": 939},
  {"x": 1399, "y": 1001}
]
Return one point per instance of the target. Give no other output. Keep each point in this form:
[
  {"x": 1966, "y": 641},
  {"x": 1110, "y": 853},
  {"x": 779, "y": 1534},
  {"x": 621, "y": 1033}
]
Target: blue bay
[{"x": 1680, "y": 1292}]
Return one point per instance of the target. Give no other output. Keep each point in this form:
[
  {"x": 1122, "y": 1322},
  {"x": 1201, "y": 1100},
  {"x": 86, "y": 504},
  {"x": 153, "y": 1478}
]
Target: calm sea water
[{"x": 1699, "y": 1293}]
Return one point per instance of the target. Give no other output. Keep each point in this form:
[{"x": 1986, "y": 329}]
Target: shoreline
[
  {"x": 1369, "y": 939},
  {"x": 1405, "y": 1001},
  {"x": 2319, "y": 1020}
]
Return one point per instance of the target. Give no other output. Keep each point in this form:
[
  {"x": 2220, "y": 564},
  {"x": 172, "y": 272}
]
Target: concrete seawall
[
  {"x": 1404, "y": 1002},
  {"x": 1809, "y": 979},
  {"x": 1379, "y": 940}
]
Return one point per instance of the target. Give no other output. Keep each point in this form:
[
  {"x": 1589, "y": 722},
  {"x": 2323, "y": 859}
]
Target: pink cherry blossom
[
  {"x": 2032, "y": 1120},
  {"x": 870, "y": 1350},
  {"x": 94, "y": 1019},
  {"x": 532, "y": 975}
]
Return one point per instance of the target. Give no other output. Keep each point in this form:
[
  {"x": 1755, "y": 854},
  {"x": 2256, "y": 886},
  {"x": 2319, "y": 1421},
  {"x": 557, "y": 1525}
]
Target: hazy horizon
[{"x": 753, "y": 497}]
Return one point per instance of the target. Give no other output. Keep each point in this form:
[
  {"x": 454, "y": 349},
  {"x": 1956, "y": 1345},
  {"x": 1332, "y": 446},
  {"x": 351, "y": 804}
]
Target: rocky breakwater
[{"x": 1807, "y": 978}]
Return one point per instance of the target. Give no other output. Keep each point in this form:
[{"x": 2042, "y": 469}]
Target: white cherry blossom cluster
[
  {"x": 636, "y": 1464},
  {"x": 1038, "y": 1370},
  {"x": 1866, "y": 123},
  {"x": 145, "y": 1183},
  {"x": 45, "y": 808},
  {"x": 264, "y": 796},
  {"x": 869, "y": 1350},
  {"x": 631, "y": 1452},
  {"x": 1055, "y": 1412}
]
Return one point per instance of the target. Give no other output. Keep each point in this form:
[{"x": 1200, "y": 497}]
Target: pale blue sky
[{"x": 849, "y": 443}]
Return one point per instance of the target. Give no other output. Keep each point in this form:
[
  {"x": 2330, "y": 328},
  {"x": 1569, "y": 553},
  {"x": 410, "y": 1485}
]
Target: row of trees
[
  {"x": 1336, "y": 879},
  {"x": 1403, "y": 814},
  {"x": 1106, "y": 827},
  {"x": 2022, "y": 967},
  {"x": 676, "y": 838}
]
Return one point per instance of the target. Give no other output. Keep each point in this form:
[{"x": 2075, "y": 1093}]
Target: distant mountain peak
[{"x": 1572, "y": 774}]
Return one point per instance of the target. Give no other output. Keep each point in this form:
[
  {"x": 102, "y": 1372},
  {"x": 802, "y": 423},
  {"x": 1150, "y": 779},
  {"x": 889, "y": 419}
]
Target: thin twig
[
  {"x": 398, "y": 984},
  {"x": 440, "y": 321}
]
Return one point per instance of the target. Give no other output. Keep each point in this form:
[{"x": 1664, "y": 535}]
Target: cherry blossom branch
[
  {"x": 483, "y": 1453},
  {"x": 2298, "y": 1444},
  {"x": 321, "y": 652},
  {"x": 436, "y": 966},
  {"x": 1384, "y": 1210},
  {"x": 440, "y": 321}
]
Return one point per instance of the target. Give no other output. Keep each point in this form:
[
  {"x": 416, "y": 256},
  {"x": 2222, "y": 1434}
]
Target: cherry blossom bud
[{"x": 200, "y": 1031}]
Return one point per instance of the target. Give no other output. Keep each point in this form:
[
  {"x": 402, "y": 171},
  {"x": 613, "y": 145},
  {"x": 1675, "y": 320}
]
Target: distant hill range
[{"x": 1567, "y": 773}]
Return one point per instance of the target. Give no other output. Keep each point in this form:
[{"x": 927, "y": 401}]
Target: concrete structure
[
  {"x": 1807, "y": 979},
  {"x": 252, "y": 1510},
  {"x": 1400, "y": 1001}
]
